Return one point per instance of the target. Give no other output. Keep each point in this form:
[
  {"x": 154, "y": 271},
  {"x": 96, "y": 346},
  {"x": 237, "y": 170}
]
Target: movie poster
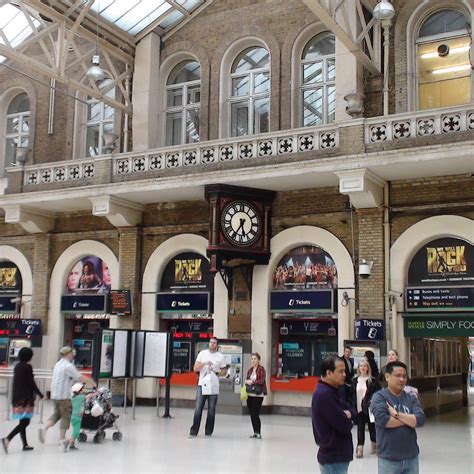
[
  {"x": 306, "y": 267},
  {"x": 106, "y": 353},
  {"x": 10, "y": 278},
  {"x": 187, "y": 271},
  {"x": 89, "y": 275},
  {"x": 444, "y": 262}
]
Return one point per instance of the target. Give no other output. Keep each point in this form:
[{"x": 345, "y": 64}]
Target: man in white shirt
[
  {"x": 64, "y": 375},
  {"x": 208, "y": 361}
]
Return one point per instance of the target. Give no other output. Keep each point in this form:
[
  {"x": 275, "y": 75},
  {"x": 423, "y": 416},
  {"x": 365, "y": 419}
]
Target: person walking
[
  {"x": 392, "y": 356},
  {"x": 332, "y": 421},
  {"x": 363, "y": 388},
  {"x": 24, "y": 393},
  {"x": 209, "y": 363},
  {"x": 64, "y": 374},
  {"x": 397, "y": 415},
  {"x": 256, "y": 389}
]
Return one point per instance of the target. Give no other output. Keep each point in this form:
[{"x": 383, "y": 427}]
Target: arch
[
  {"x": 152, "y": 275},
  {"x": 12, "y": 254},
  {"x": 409, "y": 21},
  {"x": 282, "y": 243},
  {"x": 14, "y": 88},
  {"x": 61, "y": 268},
  {"x": 404, "y": 249}
]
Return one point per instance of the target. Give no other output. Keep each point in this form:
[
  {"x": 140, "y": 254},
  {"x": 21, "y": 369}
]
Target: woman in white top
[{"x": 363, "y": 387}]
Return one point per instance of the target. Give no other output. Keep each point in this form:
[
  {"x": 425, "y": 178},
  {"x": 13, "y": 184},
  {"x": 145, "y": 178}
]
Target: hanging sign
[
  {"x": 182, "y": 303},
  {"x": 80, "y": 304},
  {"x": 302, "y": 301},
  {"x": 369, "y": 329}
]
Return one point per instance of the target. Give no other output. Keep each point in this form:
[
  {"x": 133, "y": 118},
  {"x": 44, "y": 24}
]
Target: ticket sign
[
  {"x": 6, "y": 305},
  {"x": 189, "y": 303},
  {"x": 83, "y": 304},
  {"x": 433, "y": 299},
  {"x": 366, "y": 329},
  {"x": 301, "y": 301},
  {"x": 120, "y": 302}
]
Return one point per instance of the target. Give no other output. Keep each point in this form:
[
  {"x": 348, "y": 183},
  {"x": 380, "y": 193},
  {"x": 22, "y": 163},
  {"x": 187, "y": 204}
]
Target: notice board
[{"x": 155, "y": 360}]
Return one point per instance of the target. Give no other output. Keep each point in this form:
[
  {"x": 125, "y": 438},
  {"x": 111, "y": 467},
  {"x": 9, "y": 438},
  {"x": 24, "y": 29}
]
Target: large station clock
[{"x": 239, "y": 225}]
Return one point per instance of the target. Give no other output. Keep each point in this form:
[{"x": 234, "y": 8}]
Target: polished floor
[{"x": 158, "y": 445}]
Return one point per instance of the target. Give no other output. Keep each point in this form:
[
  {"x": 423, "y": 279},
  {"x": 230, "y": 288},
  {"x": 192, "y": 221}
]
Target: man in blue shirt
[
  {"x": 332, "y": 419},
  {"x": 397, "y": 414}
]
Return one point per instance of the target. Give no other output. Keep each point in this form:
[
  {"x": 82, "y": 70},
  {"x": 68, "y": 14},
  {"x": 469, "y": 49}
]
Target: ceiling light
[
  {"x": 445, "y": 70},
  {"x": 95, "y": 72},
  {"x": 383, "y": 10},
  {"x": 434, "y": 54}
]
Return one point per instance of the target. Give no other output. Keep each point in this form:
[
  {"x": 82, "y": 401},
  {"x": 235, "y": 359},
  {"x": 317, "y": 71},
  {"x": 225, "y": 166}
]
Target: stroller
[{"x": 98, "y": 417}]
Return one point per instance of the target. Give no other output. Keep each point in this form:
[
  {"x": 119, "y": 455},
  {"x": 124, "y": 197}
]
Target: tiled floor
[{"x": 152, "y": 444}]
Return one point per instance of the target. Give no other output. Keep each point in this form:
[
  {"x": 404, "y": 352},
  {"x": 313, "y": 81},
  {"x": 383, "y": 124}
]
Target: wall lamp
[{"x": 365, "y": 268}]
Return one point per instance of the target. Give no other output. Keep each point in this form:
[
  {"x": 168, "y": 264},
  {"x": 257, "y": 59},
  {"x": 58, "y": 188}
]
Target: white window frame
[
  {"x": 101, "y": 122},
  {"x": 182, "y": 109},
  {"x": 324, "y": 85},
  {"x": 251, "y": 97},
  {"x": 20, "y": 135}
]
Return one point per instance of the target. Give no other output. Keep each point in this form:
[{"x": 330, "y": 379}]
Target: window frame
[
  {"x": 93, "y": 123},
  {"x": 20, "y": 135}
]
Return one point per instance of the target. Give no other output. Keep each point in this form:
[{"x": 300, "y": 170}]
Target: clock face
[{"x": 241, "y": 223}]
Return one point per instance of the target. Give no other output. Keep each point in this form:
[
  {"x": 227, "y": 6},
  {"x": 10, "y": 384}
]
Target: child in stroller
[{"x": 98, "y": 416}]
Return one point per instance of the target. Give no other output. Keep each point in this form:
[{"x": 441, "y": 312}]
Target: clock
[{"x": 241, "y": 223}]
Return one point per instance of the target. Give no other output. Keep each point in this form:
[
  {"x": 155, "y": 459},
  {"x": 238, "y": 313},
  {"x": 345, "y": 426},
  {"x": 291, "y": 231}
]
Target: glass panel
[
  {"x": 240, "y": 86},
  {"x": 319, "y": 46},
  {"x": 13, "y": 125},
  {"x": 171, "y": 19},
  {"x": 175, "y": 97},
  {"x": 25, "y": 125},
  {"x": 173, "y": 129},
  {"x": 261, "y": 120},
  {"x": 426, "y": 358},
  {"x": 108, "y": 112},
  {"x": 312, "y": 107},
  {"x": 20, "y": 103},
  {"x": 444, "y": 21},
  {"x": 312, "y": 73},
  {"x": 108, "y": 127},
  {"x": 185, "y": 71},
  {"x": 251, "y": 58},
  {"x": 93, "y": 112},
  {"x": 331, "y": 65},
  {"x": 10, "y": 152},
  {"x": 331, "y": 104},
  {"x": 92, "y": 140},
  {"x": 417, "y": 357},
  {"x": 239, "y": 119},
  {"x": 194, "y": 95},
  {"x": 24, "y": 141},
  {"x": 261, "y": 83},
  {"x": 192, "y": 126}
]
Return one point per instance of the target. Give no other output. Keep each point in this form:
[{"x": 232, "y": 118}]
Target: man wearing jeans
[
  {"x": 397, "y": 414},
  {"x": 208, "y": 361}
]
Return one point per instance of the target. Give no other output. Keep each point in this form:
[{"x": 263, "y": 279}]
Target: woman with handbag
[
  {"x": 256, "y": 390},
  {"x": 363, "y": 387}
]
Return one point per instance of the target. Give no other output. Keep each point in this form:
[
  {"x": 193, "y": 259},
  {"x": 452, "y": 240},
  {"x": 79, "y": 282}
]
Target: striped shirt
[{"x": 64, "y": 374}]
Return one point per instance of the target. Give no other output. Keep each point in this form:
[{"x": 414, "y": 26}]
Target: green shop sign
[{"x": 454, "y": 325}]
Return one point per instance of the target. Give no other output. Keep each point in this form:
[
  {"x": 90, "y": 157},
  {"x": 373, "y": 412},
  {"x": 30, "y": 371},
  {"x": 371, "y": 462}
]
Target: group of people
[
  {"x": 304, "y": 275},
  {"x": 379, "y": 400},
  {"x": 68, "y": 400}
]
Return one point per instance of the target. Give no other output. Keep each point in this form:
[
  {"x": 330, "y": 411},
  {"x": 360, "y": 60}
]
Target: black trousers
[
  {"x": 254, "y": 404},
  {"x": 20, "y": 428},
  {"x": 362, "y": 420}
]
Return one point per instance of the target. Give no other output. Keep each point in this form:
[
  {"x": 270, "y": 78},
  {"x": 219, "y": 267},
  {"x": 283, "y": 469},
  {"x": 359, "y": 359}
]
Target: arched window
[
  {"x": 183, "y": 97},
  {"x": 250, "y": 93},
  {"x": 444, "y": 68},
  {"x": 100, "y": 120},
  {"x": 18, "y": 126},
  {"x": 318, "y": 81}
]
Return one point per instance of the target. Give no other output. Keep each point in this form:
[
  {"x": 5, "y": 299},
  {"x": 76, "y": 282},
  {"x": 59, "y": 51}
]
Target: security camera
[
  {"x": 395, "y": 294},
  {"x": 365, "y": 268}
]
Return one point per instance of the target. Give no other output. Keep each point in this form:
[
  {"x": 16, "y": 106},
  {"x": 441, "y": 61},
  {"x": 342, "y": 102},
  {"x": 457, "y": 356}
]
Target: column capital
[
  {"x": 119, "y": 212},
  {"x": 364, "y": 188}
]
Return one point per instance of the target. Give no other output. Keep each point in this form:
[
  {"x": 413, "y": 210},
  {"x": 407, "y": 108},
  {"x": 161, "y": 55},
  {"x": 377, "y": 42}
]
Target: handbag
[
  {"x": 243, "y": 394},
  {"x": 254, "y": 389}
]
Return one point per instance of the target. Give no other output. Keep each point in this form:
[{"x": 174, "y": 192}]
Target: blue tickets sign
[
  {"x": 309, "y": 301},
  {"x": 6, "y": 305},
  {"x": 80, "y": 304},
  {"x": 369, "y": 329},
  {"x": 189, "y": 303}
]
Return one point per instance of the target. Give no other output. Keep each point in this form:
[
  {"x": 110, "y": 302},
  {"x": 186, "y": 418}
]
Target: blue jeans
[
  {"x": 211, "y": 413},
  {"x": 407, "y": 466},
  {"x": 336, "y": 468}
]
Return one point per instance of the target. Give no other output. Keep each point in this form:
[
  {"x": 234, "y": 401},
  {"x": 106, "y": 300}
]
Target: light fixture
[
  {"x": 383, "y": 10},
  {"x": 365, "y": 268},
  {"x": 445, "y": 70},
  {"x": 436, "y": 54},
  {"x": 95, "y": 72}
]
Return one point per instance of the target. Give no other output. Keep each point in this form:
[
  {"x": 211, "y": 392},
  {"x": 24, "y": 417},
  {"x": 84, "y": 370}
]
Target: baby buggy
[{"x": 98, "y": 417}]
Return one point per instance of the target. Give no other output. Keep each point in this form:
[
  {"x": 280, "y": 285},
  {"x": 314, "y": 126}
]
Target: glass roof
[{"x": 132, "y": 16}]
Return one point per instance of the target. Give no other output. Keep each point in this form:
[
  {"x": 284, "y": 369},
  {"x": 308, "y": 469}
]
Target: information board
[
  {"x": 296, "y": 358},
  {"x": 155, "y": 359},
  {"x": 120, "y": 302},
  {"x": 181, "y": 356},
  {"x": 430, "y": 299},
  {"x": 120, "y": 366},
  {"x": 106, "y": 353}
]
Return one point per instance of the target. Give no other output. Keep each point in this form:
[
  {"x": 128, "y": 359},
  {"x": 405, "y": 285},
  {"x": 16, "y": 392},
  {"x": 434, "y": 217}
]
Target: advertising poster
[
  {"x": 10, "y": 278},
  {"x": 306, "y": 267},
  {"x": 106, "y": 353},
  {"x": 443, "y": 262},
  {"x": 181, "y": 356},
  {"x": 121, "y": 352},
  {"x": 83, "y": 348},
  {"x": 156, "y": 354},
  {"x": 89, "y": 275}
]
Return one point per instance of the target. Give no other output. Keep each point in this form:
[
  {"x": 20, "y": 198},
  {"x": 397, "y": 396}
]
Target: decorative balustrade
[
  {"x": 419, "y": 124},
  {"x": 59, "y": 172}
]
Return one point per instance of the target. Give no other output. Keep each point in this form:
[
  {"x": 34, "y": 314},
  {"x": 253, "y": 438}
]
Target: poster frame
[
  {"x": 98, "y": 353},
  {"x": 168, "y": 362},
  {"x": 127, "y": 355}
]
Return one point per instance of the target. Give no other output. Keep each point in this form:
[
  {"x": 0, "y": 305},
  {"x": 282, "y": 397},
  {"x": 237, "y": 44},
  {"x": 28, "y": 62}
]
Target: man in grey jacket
[{"x": 397, "y": 414}]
